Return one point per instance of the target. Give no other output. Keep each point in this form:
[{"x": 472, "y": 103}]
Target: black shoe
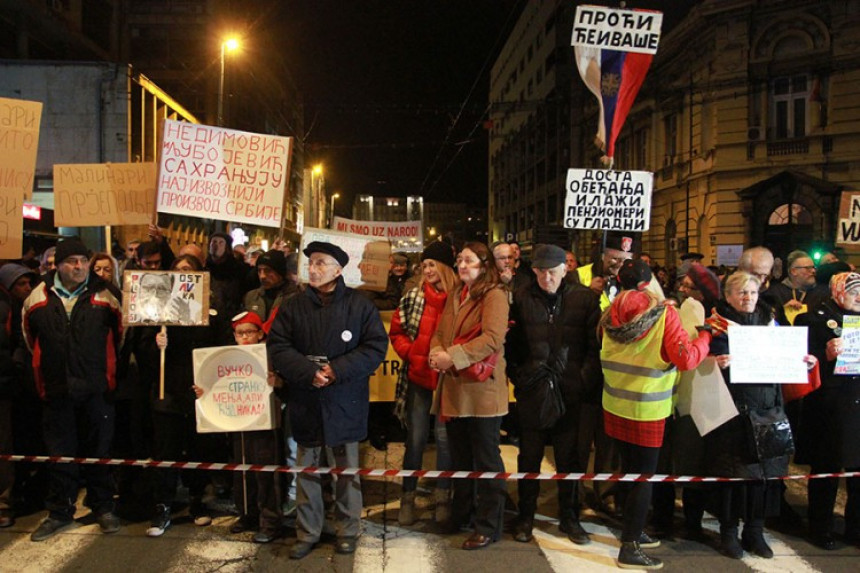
[
  {"x": 7, "y": 518},
  {"x": 48, "y": 528},
  {"x": 244, "y": 523},
  {"x": 160, "y": 521},
  {"x": 301, "y": 549},
  {"x": 266, "y": 536},
  {"x": 523, "y": 531},
  {"x": 730, "y": 546},
  {"x": 345, "y": 545},
  {"x": 575, "y": 531},
  {"x": 753, "y": 541},
  {"x": 648, "y": 542},
  {"x": 825, "y": 541},
  {"x": 631, "y": 556},
  {"x": 108, "y": 522}
]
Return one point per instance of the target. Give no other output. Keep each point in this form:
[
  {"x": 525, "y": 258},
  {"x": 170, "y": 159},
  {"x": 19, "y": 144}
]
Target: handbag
[
  {"x": 770, "y": 433},
  {"x": 539, "y": 400},
  {"x": 477, "y": 371}
]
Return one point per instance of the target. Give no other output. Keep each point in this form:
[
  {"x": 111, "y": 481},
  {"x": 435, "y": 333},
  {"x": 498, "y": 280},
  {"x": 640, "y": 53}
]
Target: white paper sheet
[{"x": 768, "y": 354}]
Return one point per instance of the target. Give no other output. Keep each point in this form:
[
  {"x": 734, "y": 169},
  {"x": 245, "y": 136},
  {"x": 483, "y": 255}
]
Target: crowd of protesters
[{"x": 594, "y": 354}]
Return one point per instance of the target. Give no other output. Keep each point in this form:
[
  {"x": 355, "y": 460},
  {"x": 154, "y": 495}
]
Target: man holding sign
[
  {"x": 72, "y": 326},
  {"x": 325, "y": 343}
]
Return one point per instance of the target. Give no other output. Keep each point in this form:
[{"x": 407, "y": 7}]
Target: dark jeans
[
  {"x": 418, "y": 403},
  {"x": 78, "y": 427},
  {"x": 637, "y": 460},
  {"x": 822, "y": 499},
  {"x": 259, "y": 492},
  {"x": 564, "y": 437},
  {"x": 475, "y": 447}
]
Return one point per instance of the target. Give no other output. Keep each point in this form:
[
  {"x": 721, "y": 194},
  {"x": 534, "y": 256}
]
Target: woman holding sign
[
  {"x": 830, "y": 425},
  {"x": 732, "y": 450}
]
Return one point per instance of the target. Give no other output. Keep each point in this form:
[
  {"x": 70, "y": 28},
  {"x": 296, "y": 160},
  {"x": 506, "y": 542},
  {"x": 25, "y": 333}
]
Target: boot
[
  {"x": 753, "y": 541},
  {"x": 729, "y": 544},
  {"x": 407, "y": 509},
  {"x": 443, "y": 504},
  {"x": 631, "y": 556}
]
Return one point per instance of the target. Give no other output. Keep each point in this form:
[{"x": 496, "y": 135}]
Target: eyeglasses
[
  {"x": 805, "y": 267},
  {"x": 245, "y": 333}
]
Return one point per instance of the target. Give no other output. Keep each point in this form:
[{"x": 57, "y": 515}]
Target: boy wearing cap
[
  {"x": 325, "y": 343},
  {"x": 72, "y": 326}
]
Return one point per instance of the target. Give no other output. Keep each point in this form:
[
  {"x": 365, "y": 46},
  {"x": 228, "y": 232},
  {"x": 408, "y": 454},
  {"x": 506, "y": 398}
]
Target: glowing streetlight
[
  {"x": 228, "y": 45},
  {"x": 334, "y": 198}
]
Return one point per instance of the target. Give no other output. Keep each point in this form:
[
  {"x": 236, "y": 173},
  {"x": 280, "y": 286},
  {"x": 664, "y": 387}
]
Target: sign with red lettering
[
  {"x": 406, "y": 236},
  {"x": 98, "y": 194},
  {"x": 368, "y": 257},
  {"x": 19, "y": 142},
  {"x": 236, "y": 394},
  {"x": 222, "y": 174}
]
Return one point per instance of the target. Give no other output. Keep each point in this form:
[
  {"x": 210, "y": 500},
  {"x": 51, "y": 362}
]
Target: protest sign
[
  {"x": 19, "y": 143},
  {"x": 608, "y": 200},
  {"x": 236, "y": 395},
  {"x": 368, "y": 258},
  {"x": 848, "y": 225},
  {"x": 165, "y": 298},
  {"x": 222, "y": 173},
  {"x": 768, "y": 354},
  {"x": 848, "y": 361},
  {"x": 407, "y": 236},
  {"x": 617, "y": 29},
  {"x": 98, "y": 194}
]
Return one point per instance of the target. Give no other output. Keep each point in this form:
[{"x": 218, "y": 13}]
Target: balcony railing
[{"x": 788, "y": 147}]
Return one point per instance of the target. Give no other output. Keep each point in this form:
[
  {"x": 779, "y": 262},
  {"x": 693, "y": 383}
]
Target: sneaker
[
  {"x": 108, "y": 521},
  {"x": 48, "y": 528},
  {"x": 631, "y": 556},
  {"x": 160, "y": 521}
]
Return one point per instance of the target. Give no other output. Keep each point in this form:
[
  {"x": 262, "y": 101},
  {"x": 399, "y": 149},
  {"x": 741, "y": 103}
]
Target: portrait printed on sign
[
  {"x": 165, "y": 298},
  {"x": 236, "y": 395}
]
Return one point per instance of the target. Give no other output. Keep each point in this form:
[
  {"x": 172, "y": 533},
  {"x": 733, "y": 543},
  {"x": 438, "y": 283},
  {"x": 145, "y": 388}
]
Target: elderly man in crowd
[
  {"x": 72, "y": 327},
  {"x": 792, "y": 292},
  {"x": 602, "y": 277},
  {"x": 325, "y": 343},
  {"x": 554, "y": 334}
]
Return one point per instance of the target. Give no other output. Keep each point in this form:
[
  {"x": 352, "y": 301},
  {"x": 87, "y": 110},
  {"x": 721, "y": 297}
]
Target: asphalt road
[{"x": 385, "y": 546}]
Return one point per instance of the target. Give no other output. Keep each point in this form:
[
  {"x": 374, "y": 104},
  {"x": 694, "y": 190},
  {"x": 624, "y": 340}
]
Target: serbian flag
[{"x": 614, "y": 78}]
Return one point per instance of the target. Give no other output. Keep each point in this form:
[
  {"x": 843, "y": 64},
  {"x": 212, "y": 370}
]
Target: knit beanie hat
[
  {"x": 69, "y": 248},
  {"x": 439, "y": 251}
]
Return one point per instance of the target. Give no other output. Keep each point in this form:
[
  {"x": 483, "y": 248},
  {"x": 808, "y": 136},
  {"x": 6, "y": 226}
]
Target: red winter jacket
[{"x": 416, "y": 352}]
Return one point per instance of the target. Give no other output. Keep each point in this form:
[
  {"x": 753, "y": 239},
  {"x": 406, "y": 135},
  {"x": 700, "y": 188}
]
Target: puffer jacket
[{"x": 416, "y": 352}]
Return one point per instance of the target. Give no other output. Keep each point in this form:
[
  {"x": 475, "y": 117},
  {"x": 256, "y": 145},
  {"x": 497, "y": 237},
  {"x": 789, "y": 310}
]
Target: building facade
[{"x": 747, "y": 120}]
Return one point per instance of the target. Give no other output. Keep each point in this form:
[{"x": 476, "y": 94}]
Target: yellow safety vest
[
  {"x": 585, "y": 275},
  {"x": 638, "y": 383}
]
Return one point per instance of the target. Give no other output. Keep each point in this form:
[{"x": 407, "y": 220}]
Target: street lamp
[
  {"x": 334, "y": 197},
  {"x": 228, "y": 45}
]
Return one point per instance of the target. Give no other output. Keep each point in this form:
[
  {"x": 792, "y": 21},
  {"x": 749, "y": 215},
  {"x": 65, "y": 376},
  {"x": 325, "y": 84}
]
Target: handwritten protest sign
[
  {"x": 368, "y": 258},
  {"x": 222, "y": 173},
  {"x": 407, "y": 236},
  {"x": 19, "y": 143},
  {"x": 236, "y": 396},
  {"x": 608, "y": 200},
  {"x": 768, "y": 354},
  {"x": 848, "y": 225},
  {"x": 848, "y": 361},
  {"x": 98, "y": 194},
  {"x": 617, "y": 29},
  {"x": 165, "y": 298}
]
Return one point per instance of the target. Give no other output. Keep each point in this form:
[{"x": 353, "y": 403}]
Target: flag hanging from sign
[{"x": 613, "y": 50}]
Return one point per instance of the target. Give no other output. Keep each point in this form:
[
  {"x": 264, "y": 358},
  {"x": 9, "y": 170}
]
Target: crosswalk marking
[{"x": 784, "y": 557}]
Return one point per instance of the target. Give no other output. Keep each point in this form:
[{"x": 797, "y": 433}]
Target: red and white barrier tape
[{"x": 369, "y": 472}]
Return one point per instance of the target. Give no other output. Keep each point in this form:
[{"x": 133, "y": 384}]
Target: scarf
[{"x": 411, "y": 309}]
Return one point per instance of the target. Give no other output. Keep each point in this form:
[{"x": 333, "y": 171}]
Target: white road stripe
[{"x": 564, "y": 555}]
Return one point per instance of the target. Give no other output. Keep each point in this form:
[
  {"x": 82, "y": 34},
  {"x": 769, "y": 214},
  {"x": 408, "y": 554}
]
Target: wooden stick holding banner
[{"x": 161, "y": 367}]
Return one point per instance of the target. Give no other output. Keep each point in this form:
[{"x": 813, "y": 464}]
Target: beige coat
[{"x": 460, "y": 397}]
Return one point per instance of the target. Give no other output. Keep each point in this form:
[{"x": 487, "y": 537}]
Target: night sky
[{"x": 383, "y": 82}]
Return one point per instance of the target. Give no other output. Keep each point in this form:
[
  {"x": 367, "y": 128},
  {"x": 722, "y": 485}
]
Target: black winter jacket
[{"x": 349, "y": 333}]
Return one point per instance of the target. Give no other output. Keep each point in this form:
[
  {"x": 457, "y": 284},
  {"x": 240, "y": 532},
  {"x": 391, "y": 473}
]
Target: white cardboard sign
[
  {"x": 236, "y": 394},
  {"x": 608, "y": 200},
  {"x": 768, "y": 354}
]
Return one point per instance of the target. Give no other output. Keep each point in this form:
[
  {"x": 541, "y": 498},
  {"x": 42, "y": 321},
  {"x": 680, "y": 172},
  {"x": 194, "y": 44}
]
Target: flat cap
[
  {"x": 548, "y": 256},
  {"x": 334, "y": 251}
]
